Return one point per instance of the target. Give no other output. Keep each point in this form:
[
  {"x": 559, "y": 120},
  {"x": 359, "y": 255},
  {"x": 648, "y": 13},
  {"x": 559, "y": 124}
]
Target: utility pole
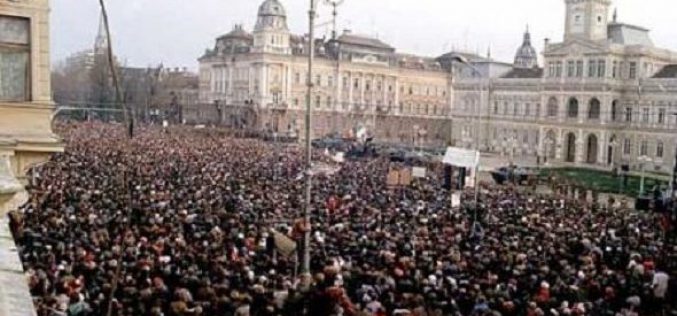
[{"x": 309, "y": 153}]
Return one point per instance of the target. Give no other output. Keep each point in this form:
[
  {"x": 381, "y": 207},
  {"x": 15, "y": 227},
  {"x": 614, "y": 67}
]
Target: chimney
[{"x": 546, "y": 42}]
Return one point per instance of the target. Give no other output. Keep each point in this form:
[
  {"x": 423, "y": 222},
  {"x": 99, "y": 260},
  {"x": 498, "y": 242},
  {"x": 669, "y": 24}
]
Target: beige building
[
  {"x": 26, "y": 104},
  {"x": 258, "y": 80}
]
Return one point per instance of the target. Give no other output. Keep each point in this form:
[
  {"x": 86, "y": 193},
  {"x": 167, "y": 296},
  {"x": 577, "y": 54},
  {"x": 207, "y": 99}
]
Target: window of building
[
  {"x": 592, "y": 68},
  {"x": 495, "y": 107},
  {"x": 329, "y": 104},
  {"x": 505, "y": 108},
  {"x": 628, "y": 114},
  {"x": 644, "y": 148},
  {"x": 594, "y": 109},
  {"x": 558, "y": 69},
  {"x": 345, "y": 82},
  {"x": 627, "y": 146},
  {"x": 661, "y": 116},
  {"x": 411, "y": 90},
  {"x": 296, "y": 102},
  {"x": 632, "y": 73},
  {"x": 516, "y": 109},
  {"x": 356, "y": 83},
  {"x": 572, "y": 108},
  {"x": 645, "y": 115},
  {"x": 579, "y": 69},
  {"x": 14, "y": 59},
  {"x": 659, "y": 149},
  {"x": 297, "y": 78},
  {"x": 318, "y": 80},
  {"x": 527, "y": 109},
  {"x": 553, "y": 107},
  {"x": 614, "y": 110},
  {"x": 367, "y": 85},
  {"x": 318, "y": 101},
  {"x": 551, "y": 69},
  {"x": 601, "y": 68},
  {"x": 538, "y": 110},
  {"x": 330, "y": 81},
  {"x": 390, "y": 88},
  {"x": 401, "y": 107},
  {"x": 571, "y": 68}
]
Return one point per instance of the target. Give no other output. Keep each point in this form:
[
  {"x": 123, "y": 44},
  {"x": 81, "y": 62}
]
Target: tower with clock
[
  {"x": 271, "y": 33},
  {"x": 587, "y": 19}
]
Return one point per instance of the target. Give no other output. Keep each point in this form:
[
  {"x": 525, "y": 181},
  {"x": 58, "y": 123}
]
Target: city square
[{"x": 298, "y": 173}]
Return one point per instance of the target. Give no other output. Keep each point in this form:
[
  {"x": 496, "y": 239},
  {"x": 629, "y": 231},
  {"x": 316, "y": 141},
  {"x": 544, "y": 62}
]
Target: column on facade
[
  {"x": 288, "y": 84},
  {"x": 350, "y": 90},
  {"x": 229, "y": 91},
  {"x": 580, "y": 146},
  {"x": 263, "y": 85},
  {"x": 397, "y": 94},
  {"x": 602, "y": 147}
]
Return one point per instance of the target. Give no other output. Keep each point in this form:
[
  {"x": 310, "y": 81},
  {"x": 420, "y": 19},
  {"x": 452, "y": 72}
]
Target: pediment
[{"x": 577, "y": 47}]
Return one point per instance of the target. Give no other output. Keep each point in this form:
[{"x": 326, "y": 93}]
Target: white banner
[
  {"x": 461, "y": 157},
  {"x": 456, "y": 200},
  {"x": 418, "y": 172}
]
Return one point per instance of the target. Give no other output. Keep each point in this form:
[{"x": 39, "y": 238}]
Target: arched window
[
  {"x": 572, "y": 108},
  {"x": 553, "y": 107},
  {"x": 594, "y": 109}
]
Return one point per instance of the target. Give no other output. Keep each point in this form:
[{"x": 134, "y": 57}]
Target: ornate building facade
[
  {"x": 605, "y": 96},
  {"x": 26, "y": 106}
]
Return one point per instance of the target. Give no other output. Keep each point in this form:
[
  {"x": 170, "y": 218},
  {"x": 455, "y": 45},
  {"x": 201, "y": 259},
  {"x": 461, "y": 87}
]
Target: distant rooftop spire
[{"x": 101, "y": 41}]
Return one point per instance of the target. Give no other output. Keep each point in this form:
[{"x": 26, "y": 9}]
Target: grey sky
[{"x": 176, "y": 32}]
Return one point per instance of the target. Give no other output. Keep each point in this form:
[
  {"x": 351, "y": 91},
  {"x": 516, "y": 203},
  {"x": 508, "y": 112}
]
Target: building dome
[
  {"x": 526, "y": 56},
  {"x": 272, "y": 8},
  {"x": 272, "y": 17},
  {"x": 238, "y": 32}
]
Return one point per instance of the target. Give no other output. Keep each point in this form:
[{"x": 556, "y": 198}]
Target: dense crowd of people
[{"x": 184, "y": 221}]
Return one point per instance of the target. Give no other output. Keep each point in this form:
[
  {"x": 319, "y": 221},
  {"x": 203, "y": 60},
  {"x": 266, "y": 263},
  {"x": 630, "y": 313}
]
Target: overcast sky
[{"x": 176, "y": 32}]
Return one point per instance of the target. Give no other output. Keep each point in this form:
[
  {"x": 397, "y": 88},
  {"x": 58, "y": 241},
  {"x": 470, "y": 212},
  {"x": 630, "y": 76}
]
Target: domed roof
[
  {"x": 272, "y": 8},
  {"x": 237, "y": 32},
  {"x": 526, "y": 56}
]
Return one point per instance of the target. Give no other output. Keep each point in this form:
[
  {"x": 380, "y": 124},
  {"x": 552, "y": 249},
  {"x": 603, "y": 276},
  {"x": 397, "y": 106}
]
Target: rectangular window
[
  {"x": 505, "y": 108},
  {"x": 330, "y": 81},
  {"x": 628, "y": 114},
  {"x": 14, "y": 59},
  {"x": 318, "y": 102},
  {"x": 592, "y": 68},
  {"x": 579, "y": 69},
  {"x": 644, "y": 148},
  {"x": 516, "y": 110},
  {"x": 627, "y": 146},
  {"x": 558, "y": 69},
  {"x": 356, "y": 83},
  {"x": 345, "y": 82},
  {"x": 496, "y": 107},
  {"x": 571, "y": 68},
  {"x": 297, "y": 78},
  {"x": 551, "y": 69},
  {"x": 538, "y": 110},
  {"x": 659, "y": 149},
  {"x": 633, "y": 70},
  {"x": 645, "y": 115},
  {"x": 329, "y": 105},
  {"x": 601, "y": 68},
  {"x": 661, "y": 116},
  {"x": 318, "y": 80},
  {"x": 527, "y": 109}
]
